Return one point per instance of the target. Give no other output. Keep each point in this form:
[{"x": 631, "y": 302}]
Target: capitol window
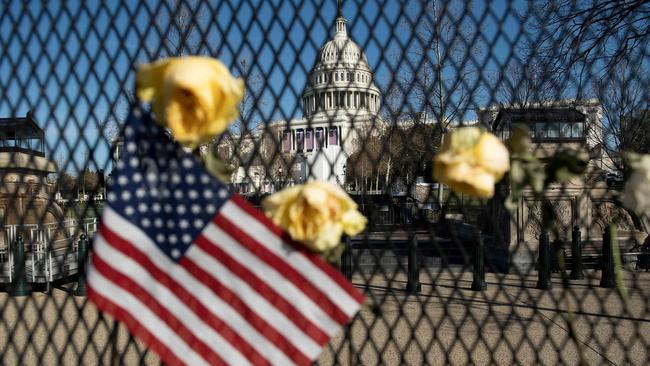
[
  {"x": 333, "y": 136},
  {"x": 300, "y": 140},
  {"x": 309, "y": 139},
  {"x": 318, "y": 141}
]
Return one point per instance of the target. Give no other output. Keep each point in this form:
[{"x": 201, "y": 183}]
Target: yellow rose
[
  {"x": 315, "y": 213},
  {"x": 471, "y": 161},
  {"x": 196, "y": 97}
]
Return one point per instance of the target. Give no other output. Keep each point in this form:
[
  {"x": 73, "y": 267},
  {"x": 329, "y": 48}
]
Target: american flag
[{"x": 198, "y": 274}]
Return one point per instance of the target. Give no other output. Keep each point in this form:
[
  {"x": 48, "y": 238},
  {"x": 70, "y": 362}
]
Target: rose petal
[
  {"x": 196, "y": 97},
  {"x": 315, "y": 214},
  {"x": 471, "y": 161}
]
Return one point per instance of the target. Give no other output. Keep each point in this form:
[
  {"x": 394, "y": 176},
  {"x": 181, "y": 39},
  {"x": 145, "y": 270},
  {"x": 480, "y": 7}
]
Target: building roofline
[
  {"x": 540, "y": 114},
  {"x": 9, "y": 122},
  {"x": 560, "y": 103}
]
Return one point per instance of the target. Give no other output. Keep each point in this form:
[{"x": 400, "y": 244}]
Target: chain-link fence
[{"x": 358, "y": 93}]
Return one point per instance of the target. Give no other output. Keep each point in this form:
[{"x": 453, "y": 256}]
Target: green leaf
[
  {"x": 511, "y": 202},
  {"x": 217, "y": 168},
  {"x": 519, "y": 142},
  {"x": 563, "y": 175},
  {"x": 536, "y": 177},
  {"x": 517, "y": 172},
  {"x": 333, "y": 255},
  {"x": 565, "y": 165}
]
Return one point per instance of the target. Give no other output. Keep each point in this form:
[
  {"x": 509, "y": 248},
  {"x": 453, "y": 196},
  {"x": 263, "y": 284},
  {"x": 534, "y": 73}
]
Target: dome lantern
[{"x": 341, "y": 30}]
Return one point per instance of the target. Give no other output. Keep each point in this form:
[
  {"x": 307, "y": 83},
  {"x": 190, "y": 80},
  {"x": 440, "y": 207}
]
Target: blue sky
[{"x": 73, "y": 63}]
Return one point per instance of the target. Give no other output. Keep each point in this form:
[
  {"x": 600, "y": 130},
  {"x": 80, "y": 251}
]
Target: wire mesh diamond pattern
[{"x": 360, "y": 94}]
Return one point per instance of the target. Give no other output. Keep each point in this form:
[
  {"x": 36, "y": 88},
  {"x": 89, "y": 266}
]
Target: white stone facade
[{"x": 339, "y": 102}]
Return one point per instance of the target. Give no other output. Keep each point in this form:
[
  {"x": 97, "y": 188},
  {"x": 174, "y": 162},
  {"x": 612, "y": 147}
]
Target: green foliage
[
  {"x": 218, "y": 168},
  {"x": 618, "y": 264},
  {"x": 333, "y": 255},
  {"x": 527, "y": 171},
  {"x": 565, "y": 165}
]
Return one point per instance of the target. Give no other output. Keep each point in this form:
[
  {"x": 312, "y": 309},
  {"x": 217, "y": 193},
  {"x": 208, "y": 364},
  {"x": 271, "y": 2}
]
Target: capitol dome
[
  {"x": 341, "y": 80},
  {"x": 342, "y": 50}
]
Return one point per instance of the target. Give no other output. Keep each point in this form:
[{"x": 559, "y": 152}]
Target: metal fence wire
[{"x": 358, "y": 93}]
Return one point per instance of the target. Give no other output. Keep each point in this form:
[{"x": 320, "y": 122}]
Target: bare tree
[
  {"x": 626, "y": 106},
  {"x": 580, "y": 39},
  {"x": 435, "y": 79},
  {"x": 598, "y": 49},
  {"x": 439, "y": 78},
  {"x": 244, "y": 136},
  {"x": 392, "y": 151},
  {"x": 369, "y": 163},
  {"x": 249, "y": 108},
  {"x": 179, "y": 24},
  {"x": 522, "y": 83},
  {"x": 109, "y": 129}
]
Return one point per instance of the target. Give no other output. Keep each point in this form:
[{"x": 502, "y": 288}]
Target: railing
[{"x": 51, "y": 249}]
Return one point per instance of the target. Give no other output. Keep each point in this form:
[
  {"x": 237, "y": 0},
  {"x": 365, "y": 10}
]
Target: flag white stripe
[
  {"x": 132, "y": 269},
  {"x": 145, "y": 317},
  {"x": 274, "y": 279},
  {"x": 312, "y": 273},
  {"x": 201, "y": 292},
  {"x": 255, "y": 301}
]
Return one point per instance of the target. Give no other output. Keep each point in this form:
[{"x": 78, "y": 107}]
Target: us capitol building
[{"x": 340, "y": 102}]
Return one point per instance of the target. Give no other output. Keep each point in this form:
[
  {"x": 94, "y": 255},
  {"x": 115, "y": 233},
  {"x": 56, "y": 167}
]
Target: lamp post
[
  {"x": 576, "y": 254},
  {"x": 413, "y": 283},
  {"x": 478, "y": 265},
  {"x": 19, "y": 287},
  {"x": 544, "y": 263},
  {"x": 82, "y": 253}
]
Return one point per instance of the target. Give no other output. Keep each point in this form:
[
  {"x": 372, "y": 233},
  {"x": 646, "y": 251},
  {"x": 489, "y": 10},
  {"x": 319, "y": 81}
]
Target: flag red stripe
[
  {"x": 231, "y": 335},
  {"x": 161, "y": 311},
  {"x": 263, "y": 289},
  {"x": 251, "y": 317},
  {"x": 332, "y": 272},
  {"x": 283, "y": 267},
  {"x": 135, "y": 327}
]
